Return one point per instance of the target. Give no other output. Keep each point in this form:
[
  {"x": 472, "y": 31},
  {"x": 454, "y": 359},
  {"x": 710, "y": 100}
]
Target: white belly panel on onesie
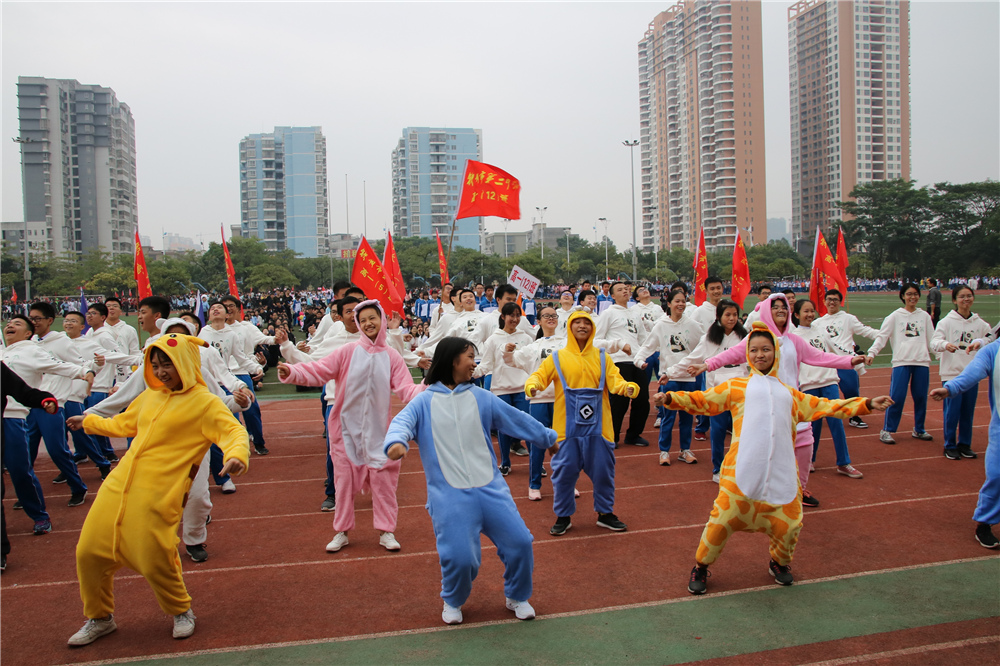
[
  {"x": 367, "y": 397},
  {"x": 765, "y": 461},
  {"x": 462, "y": 450}
]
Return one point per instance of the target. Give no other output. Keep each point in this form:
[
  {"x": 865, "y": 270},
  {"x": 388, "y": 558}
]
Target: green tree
[{"x": 265, "y": 277}]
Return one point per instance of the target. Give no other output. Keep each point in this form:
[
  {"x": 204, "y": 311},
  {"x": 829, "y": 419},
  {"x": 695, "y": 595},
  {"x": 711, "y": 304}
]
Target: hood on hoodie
[
  {"x": 760, "y": 326},
  {"x": 164, "y": 324},
  {"x": 379, "y": 343},
  {"x": 184, "y": 352},
  {"x": 571, "y": 343},
  {"x": 763, "y": 309}
]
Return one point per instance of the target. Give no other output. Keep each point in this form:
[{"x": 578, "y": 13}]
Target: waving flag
[
  {"x": 139, "y": 270},
  {"x": 825, "y": 274},
  {"x": 230, "y": 271},
  {"x": 442, "y": 260},
  {"x": 489, "y": 190},
  {"x": 198, "y": 309},
  {"x": 842, "y": 262},
  {"x": 700, "y": 271},
  {"x": 741, "y": 272},
  {"x": 369, "y": 274},
  {"x": 390, "y": 262}
]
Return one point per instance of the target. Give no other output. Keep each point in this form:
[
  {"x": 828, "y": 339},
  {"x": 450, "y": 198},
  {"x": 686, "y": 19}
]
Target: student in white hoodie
[
  {"x": 840, "y": 327},
  {"x": 508, "y": 381},
  {"x": 620, "y": 323},
  {"x": 704, "y": 314},
  {"x": 909, "y": 329},
  {"x": 957, "y": 338},
  {"x": 674, "y": 336},
  {"x": 822, "y": 383},
  {"x": 726, "y": 332},
  {"x": 84, "y": 445}
]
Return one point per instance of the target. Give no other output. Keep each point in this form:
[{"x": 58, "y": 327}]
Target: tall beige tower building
[
  {"x": 849, "y": 74},
  {"x": 701, "y": 113}
]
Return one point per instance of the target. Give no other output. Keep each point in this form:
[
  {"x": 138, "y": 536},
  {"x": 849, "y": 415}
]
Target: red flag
[
  {"x": 139, "y": 270},
  {"x": 825, "y": 274},
  {"x": 369, "y": 274},
  {"x": 390, "y": 262},
  {"x": 842, "y": 262},
  {"x": 442, "y": 261},
  {"x": 489, "y": 190},
  {"x": 741, "y": 272},
  {"x": 13, "y": 298},
  {"x": 700, "y": 271},
  {"x": 230, "y": 271}
]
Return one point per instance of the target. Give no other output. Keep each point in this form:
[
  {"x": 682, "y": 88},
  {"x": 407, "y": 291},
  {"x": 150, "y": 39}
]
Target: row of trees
[{"x": 898, "y": 229}]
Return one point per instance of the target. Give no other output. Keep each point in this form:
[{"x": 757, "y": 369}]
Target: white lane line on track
[
  {"x": 904, "y": 652},
  {"x": 580, "y": 613},
  {"x": 544, "y": 542}
]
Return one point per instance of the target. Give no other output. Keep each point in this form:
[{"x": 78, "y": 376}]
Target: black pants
[{"x": 640, "y": 404}]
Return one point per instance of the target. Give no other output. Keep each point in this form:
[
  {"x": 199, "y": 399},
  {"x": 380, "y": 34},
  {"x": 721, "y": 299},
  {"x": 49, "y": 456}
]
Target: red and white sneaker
[{"x": 850, "y": 471}]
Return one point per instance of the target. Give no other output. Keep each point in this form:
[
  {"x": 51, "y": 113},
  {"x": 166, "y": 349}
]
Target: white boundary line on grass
[{"x": 580, "y": 613}]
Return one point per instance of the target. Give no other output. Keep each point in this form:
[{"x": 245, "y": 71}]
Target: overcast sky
[{"x": 553, "y": 86}]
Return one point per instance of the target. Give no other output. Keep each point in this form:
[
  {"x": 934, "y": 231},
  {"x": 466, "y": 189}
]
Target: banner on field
[{"x": 525, "y": 282}]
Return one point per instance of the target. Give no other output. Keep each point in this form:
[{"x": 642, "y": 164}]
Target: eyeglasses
[
  {"x": 35, "y": 320},
  {"x": 550, "y": 316}
]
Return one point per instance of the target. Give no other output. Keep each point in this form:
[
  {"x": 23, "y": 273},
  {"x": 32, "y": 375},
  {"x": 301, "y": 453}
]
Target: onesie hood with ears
[
  {"x": 760, "y": 326},
  {"x": 379, "y": 343},
  {"x": 184, "y": 352},
  {"x": 571, "y": 344},
  {"x": 764, "y": 310}
]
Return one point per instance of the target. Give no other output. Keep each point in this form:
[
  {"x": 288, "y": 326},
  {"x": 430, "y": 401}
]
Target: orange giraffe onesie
[{"x": 758, "y": 483}]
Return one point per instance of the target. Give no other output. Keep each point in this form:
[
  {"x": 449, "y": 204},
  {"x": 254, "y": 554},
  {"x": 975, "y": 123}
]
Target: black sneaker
[
  {"x": 329, "y": 504},
  {"x": 967, "y": 452},
  {"x": 610, "y": 521},
  {"x": 519, "y": 449},
  {"x": 79, "y": 457},
  {"x": 60, "y": 479},
  {"x": 208, "y": 520},
  {"x": 105, "y": 471},
  {"x": 952, "y": 454},
  {"x": 808, "y": 499},
  {"x": 638, "y": 441},
  {"x": 563, "y": 524},
  {"x": 3, "y": 563},
  {"x": 504, "y": 469},
  {"x": 260, "y": 450},
  {"x": 76, "y": 499},
  {"x": 17, "y": 506},
  {"x": 197, "y": 553},
  {"x": 112, "y": 459},
  {"x": 856, "y": 422},
  {"x": 699, "y": 580},
  {"x": 544, "y": 473},
  {"x": 782, "y": 575},
  {"x": 985, "y": 536}
]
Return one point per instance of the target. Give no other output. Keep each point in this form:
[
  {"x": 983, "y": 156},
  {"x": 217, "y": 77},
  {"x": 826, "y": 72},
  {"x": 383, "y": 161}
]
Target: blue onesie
[{"x": 466, "y": 494}]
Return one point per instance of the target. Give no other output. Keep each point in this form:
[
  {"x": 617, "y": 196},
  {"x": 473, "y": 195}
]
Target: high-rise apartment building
[
  {"x": 428, "y": 165},
  {"x": 701, "y": 115},
  {"x": 283, "y": 189},
  {"x": 78, "y": 165},
  {"x": 849, "y": 74}
]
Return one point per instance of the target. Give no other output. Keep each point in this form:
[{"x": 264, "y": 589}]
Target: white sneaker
[
  {"x": 451, "y": 615},
  {"x": 229, "y": 487},
  {"x": 886, "y": 437},
  {"x": 687, "y": 457},
  {"x": 387, "y": 541},
  {"x": 665, "y": 458},
  {"x": 339, "y": 541},
  {"x": 534, "y": 494},
  {"x": 812, "y": 467},
  {"x": 522, "y": 609},
  {"x": 184, "y": 624},
  {"x": 576, "y": 493},
  {"x": 92, "y": 630},
  {"x": 656, "y": 423},
  {"x": 715, "y": 478}
]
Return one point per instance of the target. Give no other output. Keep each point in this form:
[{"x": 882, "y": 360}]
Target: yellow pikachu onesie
[
  {"x": 758, "y": 482},
  {"x": 135, "y": 516}
]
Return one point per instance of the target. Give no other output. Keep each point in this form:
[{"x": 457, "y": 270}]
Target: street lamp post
[
  {"x": 541, "y": 215},
  {"x": 631, "y": 151},
  {"x": 24, "y": 197},
  {"x": 567, "y": 249},
  {"x": 605, "y": 221},
  {"x": 506, "y": 221}
]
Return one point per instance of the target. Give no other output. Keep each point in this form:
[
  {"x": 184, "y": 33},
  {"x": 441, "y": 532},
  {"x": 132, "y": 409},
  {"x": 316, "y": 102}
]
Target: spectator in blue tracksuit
[
  {"x": 466, "y": 495},
  {"x": 986, "y": 364}
]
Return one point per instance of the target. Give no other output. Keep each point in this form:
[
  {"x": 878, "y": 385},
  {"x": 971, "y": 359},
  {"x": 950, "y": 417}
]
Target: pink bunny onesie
[{"x": 366, "y": 372}]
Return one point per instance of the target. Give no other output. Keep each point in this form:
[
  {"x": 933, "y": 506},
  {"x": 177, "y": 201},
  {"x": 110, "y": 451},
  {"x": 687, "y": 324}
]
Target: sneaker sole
[
  {"x": 992, "y": 546},
  {"x": 110, "y": 630},
  {"x": 696, "y": 591},
  {"x": 689, "y": 462},
  {"x": 568, "y": 527},
  {"x": 778, "y": 582},
  {"x": 328, "y": 510},
  {"x": 337, "y": 549},
  {"x": 851, "y": 476},
  {"x": 613, "y": 529}
]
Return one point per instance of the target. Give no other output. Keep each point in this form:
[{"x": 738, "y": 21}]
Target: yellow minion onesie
[
  {"x": 135, "y": 516},
  {"x": 758, "y": 483}
]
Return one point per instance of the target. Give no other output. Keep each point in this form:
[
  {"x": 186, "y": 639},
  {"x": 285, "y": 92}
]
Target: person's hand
[
  {"x": 868, "y": 360},
  {"x": 50, "y": 406},
  {"x": 396, "y": 452},
  {"x": 302, "y": 347},
  {"x": 233, "y": 466},
  {"x": 99, "y": 359},
  {"x": 89, "y": 378},
  {"x": 951, "y": 348},
  {"x": 631, "y": 391},
  {"x": 261, "y": 358},
  {"x": 424, "y": 364},
  {"x": 627, "y": 349},
  {"x": 881, "y": 403},
  {"x": 394, "y": 321},
  {"x": 940, "y": 394},
  {"x": 858, "y": 360},
  {"x": 421, "y": 353},
  {"x": 407, "y": 337},
  {"x": 284, "y": 371},
  {"x": 975, "y": 346},
  {"x": 664, "y": 380},
  {"x": 112, "y": 390},
  {"x": 243, "y": 398},
  {"x": 697, "y": 368},
  {"x": 312, "y": 329},
  {"x": 660, "y": 399},
  {"x": 553, "y": 449},
  {"x": 75, "y": 422},
  {"x": 257, "y": 378},
  {"x": 509, "y": 347},
  {"x": 530, "y": 390},
  {"x": 280, "y": 336},
  {"x": 641, "y": 366}
]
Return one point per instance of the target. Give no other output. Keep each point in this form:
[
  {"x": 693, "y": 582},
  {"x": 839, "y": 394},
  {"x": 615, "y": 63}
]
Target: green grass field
[{"x": 871, "y": 309}]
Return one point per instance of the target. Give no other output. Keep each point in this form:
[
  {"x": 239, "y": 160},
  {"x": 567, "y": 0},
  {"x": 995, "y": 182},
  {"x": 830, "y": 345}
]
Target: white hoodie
[
  {"x": 910, "y": 335},
  {"x": 30, "y": 362},
  {"x": 961, "y": 332},
  {"x": 841, "y": 328},
  {"x": 625, "y": 325},
  {"x": 674, "y": 340},
  {"x": 812, "y": 376},
  {"x": 507, "y": 379},
  {"x": 707, "y": 349}
]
